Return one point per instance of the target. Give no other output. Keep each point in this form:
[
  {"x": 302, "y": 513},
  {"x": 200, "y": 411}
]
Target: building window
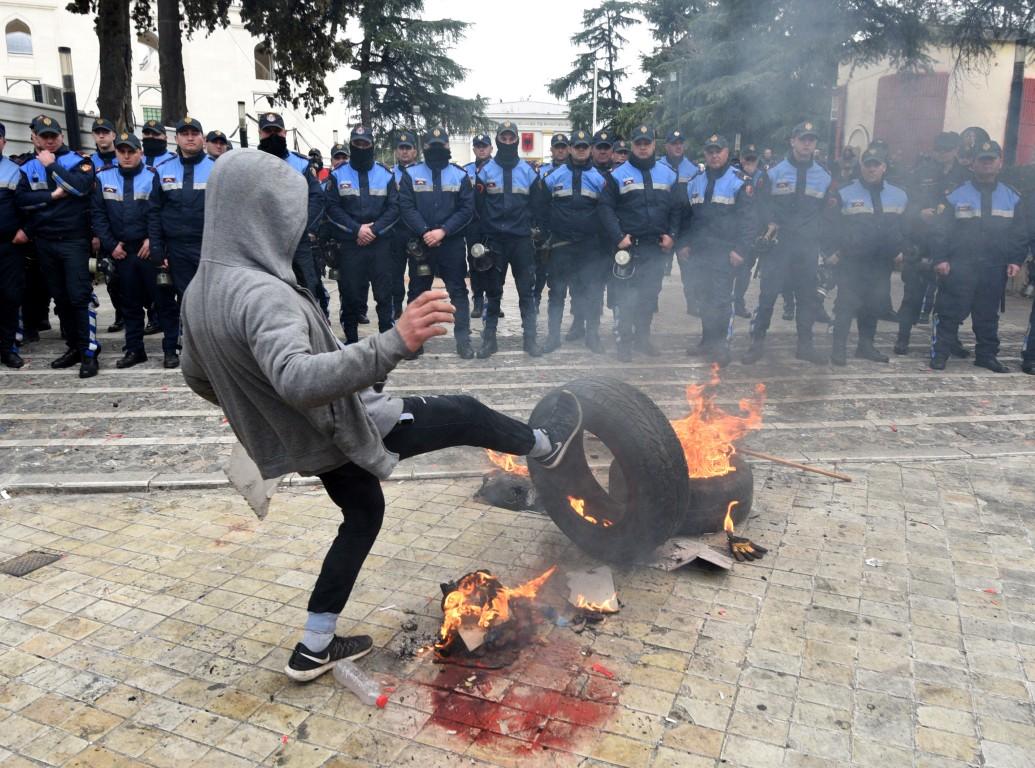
[
  {"x": 19, "y": 38},
  {"x": 152, "y": 113},
  {"x": 263, "y": 62}
]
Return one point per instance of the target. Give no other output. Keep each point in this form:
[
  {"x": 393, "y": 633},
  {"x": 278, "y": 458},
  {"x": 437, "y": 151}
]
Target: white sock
[
  {"x": 542, "y": 446},
  {"x": 319, "y": 631}
]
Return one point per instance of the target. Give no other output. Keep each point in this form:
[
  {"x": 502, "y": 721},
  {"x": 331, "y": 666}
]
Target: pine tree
[{"x": 601, "y": 39}]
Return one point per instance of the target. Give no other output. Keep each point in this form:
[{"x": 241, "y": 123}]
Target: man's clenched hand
[{"x": 423, "y": 319}]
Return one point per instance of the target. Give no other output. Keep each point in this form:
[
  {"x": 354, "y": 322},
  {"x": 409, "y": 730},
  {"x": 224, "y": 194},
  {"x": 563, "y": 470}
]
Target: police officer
[
  {"x": 339, "y": 155},
  {"x": 12, "y": 261},
  {"x": 362, "y": 204},
  {"x": 603, "y": 151},
  {"x": 103, "y": 131},
  {"x": 437, "y": 204},
  {"x": 155, "y": 143},
  {"x": 620, "y": 152},
  {"x": 751, "y": 166},
  {"x": 481, "y": 144},
  {"x": 120, "y": 204},
  {"x": 724, "y": 227},
  {"x": 273, "y": 139},
  {"x": 982, "y": 241},
  {"x": 216, "y": 144},
  {"x": 566, "y": 202},
  {"x": 54, "y": 194},
  {"x": 934, "y": 179},
  {"x": 176, "y": 217},
  {"x": 505, "y": 218},
  {"x": 865, "y": 227},
  {"x": 1028, "y": 346},
  {"x": 640, "y": 213},
  {"x": 405, "y": 156},
  {"x": 559, "y": 151},
  {"x": 675, "y": 159},
  {"x": 798, "y": 189}
]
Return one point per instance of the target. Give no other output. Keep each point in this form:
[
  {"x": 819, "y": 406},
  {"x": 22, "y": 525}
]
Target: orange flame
[
  {"x": 708, "y": 433},
  {"x": 507, "y": 463},
  {"x": 578, "y": 506},
  {"x": 481, "y": 600},
  {"x": 727, "y": 524},
  {"x": 608, "y": 606}
]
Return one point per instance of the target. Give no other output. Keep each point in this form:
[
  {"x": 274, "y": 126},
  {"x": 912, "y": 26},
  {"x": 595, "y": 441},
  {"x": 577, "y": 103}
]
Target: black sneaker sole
[{"x": 305, "y": 675}]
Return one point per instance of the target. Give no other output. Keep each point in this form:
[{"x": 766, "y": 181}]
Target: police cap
[
  {"x": 506, "y": 126},
  {"x": 42, "y": 125},
  {"x": 436, "y": 136},
  {"x": 339, "y": 149},
  {"x": 153, "y": 128},
  {"x": 270, "y": 120},
  {"x": 988, "y": 149},
  {"x": 126, "y": 139},
  {"x": 641, "y": 132},
  {"x": 215, "y": 136},
  {"x": 749, "y": 151},
  {"x": 406, "y": 139},
  {"x": 580, "y": 139},
  {"x": 804, "y": 129},
  {"x": 872, "y": 153},
  {"x": 559, "y": 140},
  {"x": 603, "y": 139},
  {"x": 188, "y": 123},
  {"x": 675, "y": 137},
  {"x": 947, "y": 141},
  {"x": 622, "y": 146},
  {"x": 481, "y": 139},
  {"x": 361, "y": 133},
  {"x": 102, "y": 124},
  {"x": 716, "y": 141}
]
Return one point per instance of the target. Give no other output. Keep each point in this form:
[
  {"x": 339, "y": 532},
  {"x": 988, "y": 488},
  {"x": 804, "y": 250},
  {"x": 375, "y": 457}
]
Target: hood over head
[{"x": 256, "y": 208}]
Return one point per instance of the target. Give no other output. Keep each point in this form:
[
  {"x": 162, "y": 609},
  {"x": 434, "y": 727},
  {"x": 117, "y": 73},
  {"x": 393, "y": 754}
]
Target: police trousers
[
  {"x": 448, "y": 261},
  {"x": 790, "y": 265},
  {"x": 576, "y": 268},
  {"x": 183, "y": 258},
  {"x": 691, "y": 287},
  {"x": 636, "y": 297},
  {"x": 360, "y": 267},
  {"x": 12, "y": 289},
  {"x": 713, "y": 275},
  {"x": 973, "y": 287},
  {"x": 66, "y": 265},
  {"x": 138, "y": 292},
  {"x": 36, "y": 298},
  {"x": 861, "y": 293},
  {"x": 519, "y": 254},
  {"x": 742, "y": 277},
  {"x": 918, "y": 287},
  {"x": 303, "y": 264},
  {"x": 399, "y": 237},
  {"x": 1028, "y": 345}
]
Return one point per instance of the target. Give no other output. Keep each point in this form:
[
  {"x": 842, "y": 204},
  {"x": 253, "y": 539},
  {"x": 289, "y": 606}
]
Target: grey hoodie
[{"x": 256, "y": 343}]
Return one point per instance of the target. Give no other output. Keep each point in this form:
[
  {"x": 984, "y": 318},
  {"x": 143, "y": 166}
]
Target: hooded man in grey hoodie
[{"x": 257, "y": 344}]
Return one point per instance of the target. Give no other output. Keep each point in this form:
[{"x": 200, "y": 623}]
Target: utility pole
[{"x": 594, "y": 122}]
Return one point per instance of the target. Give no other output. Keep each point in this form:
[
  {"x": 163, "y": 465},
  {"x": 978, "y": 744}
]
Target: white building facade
[{"x": 537, "y": 121}]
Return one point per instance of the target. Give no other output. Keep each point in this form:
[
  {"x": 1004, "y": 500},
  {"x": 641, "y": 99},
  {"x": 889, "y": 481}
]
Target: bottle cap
[{"x": 382, "y": 700}]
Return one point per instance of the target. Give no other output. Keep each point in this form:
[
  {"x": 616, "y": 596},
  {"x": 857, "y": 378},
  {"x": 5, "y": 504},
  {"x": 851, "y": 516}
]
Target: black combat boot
[
  {"x": 867, "y": 351},
  {"x": 170, "y": 360},
  {"x": 901, "y": 346},
  {"x": 88, "y": 367},
  {"x": 67, "y": 360},
  {"x": 938, "y": 362},
  {"x": 130, "y": 359},
  {"x": 992, "y": 364},
  {"x": 11, "y": 359},
  {"x": 553, "y": 342},
  {"x": 464, "y": 349},
  {"x": 488, "y": 348}
]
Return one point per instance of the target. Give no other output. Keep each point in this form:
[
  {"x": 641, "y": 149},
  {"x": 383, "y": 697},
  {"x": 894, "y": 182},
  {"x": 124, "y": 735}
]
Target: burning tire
[{"x": 629, "y": 524}]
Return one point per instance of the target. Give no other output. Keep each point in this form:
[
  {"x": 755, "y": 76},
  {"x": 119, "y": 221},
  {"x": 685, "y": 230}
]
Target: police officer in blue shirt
[
  {"x": 983, "y": 240},
  {"x": 405, "y": 156},
  {"x": 481, "y": 145},
  {"x": 675, "y": 158},
  {"x": 866, "y": 228},
  {"x": 155, "y": 143},
  {"x": 603, "y": 150},
  {"x": 620, "y": 152},
  {"x": 12, "y": 261},
  {"x": 362, "y": 204},
  {"x": 559, "y": 150},
  {"x": 273, "y": 139},
  {"x": 437, "y": 205},
  {"x": 640, "y": 214},
  {"x": 751, "y": 166},
  {"x": 54, "y": 196},
  {"x": 566, "y": 200},
  {"x": 794, "y": 206},
  {"x": 103, "y": 131},
  {"x": 724, "y": 227},
  {"x": 121, "y": 199},
  {"x": 216, "y": 144},
  {"x": 176, "y": 217},
  {"x": 505, "y": 218}
]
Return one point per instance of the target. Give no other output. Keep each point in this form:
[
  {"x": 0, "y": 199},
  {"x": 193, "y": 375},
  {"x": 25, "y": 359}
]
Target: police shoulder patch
[{"x": 86, "y": 167}]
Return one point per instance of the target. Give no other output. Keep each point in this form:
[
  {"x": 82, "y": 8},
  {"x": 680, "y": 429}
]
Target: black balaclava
[
  {"x": 153, "y": 146},
  {"x": 506, "y": 154},
  {"x": 361, "y": 158},
  {"x": 274, "y": 144},
  {"x": 437, "y": 156}
]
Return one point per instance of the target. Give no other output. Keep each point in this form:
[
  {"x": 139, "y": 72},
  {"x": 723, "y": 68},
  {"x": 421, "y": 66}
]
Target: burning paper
[
  {"x": 708, "y": 433},
  {"x": 507, "y": 463},
  {"x": 593, "y": 590}
]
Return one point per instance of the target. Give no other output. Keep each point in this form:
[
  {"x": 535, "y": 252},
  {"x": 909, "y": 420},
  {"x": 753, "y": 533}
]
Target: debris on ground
[{"x": 681, "y": 550}]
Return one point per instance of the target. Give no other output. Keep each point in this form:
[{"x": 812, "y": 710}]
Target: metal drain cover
[{"x": 27, "y": 563}]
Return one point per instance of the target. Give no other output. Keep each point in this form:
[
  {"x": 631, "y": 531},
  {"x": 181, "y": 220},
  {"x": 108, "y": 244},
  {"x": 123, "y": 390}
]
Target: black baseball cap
[
  {"x": 126, "y": 139},
  {"x": 621, "y": 146},
  {"x": 102, "y": 124},
  {"x": 436, "y": 136},
  {"x": 715, "y": 140},
  {"x": 362, "y": 133},
  {"x": 642, "y": 132},
  {"x": 947, "y": 141},
  {"x": 505, "y": 126},
  {"x": 406, "y": 139},
  {"x": 187, "y": 123},
  {"x": 749, "y": 150},
  {"x": 872, "y": 153},
  {"x": 559, "y": 140},
  {"x": 339, "y": 149},
  {"x": 581, "y": 139},
  {"x": 804, "y": 129},
  {"x": 153, "y": 127},
  {"x": 215, "y": 136},
  {"x": 603, "y": 138},
  {"x": 674, "y": 136},
  {"x": 270, "y": 120},
  {"x": 42, "y": 125},
  {"x": 988, "y": 149},
  {"x": 482, "y": 138}
]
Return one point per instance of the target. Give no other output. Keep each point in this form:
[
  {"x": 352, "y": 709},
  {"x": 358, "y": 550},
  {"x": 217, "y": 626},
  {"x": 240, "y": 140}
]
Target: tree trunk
[
  {"x": 364, "y": 75},
  {"x": 170, "y": 62},
  {"x": 115, "y": 96}
]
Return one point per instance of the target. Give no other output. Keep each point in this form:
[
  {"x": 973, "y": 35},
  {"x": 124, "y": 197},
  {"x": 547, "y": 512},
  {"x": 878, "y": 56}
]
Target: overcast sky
[{"x": 513, "y": 49}]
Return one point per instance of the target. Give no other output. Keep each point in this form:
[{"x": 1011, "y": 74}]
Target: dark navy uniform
[
  {"x": 479, "y": 280},
  {"x": 12, "y": 261},
  {"x": 121, "y": 201},
  {"x": 177, "y": 215},
  {"x": 156, "y": 150},
  {"x": 722, "y": 210},
  {"x": 866, "y": 226},
  {"x": 685, "y": 171},
  {"x": 982, "y": 230},
  {"x": 437, "y": 194},
  {"x": 742, "y": 275},
  {"x": 61, "y": 231},
  {"x": 355, "y": 197},
  {"x": 641, "y": 201},
  {"x": 505, "y": 217},
  {"x": 400, "y": 235},
  {"x": 567, "y": 198}
]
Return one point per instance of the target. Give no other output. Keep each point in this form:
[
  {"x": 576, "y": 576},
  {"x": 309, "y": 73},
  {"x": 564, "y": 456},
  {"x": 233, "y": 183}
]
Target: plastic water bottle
[{"x": 366, "y": 688}]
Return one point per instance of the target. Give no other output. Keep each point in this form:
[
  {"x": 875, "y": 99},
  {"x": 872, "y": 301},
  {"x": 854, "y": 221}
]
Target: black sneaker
[
  {"x": 562, "y": 426},
  {"x": 305, "y": 665}
]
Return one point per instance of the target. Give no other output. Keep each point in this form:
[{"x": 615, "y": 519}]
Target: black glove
[{"x": 744, "y": 549}]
